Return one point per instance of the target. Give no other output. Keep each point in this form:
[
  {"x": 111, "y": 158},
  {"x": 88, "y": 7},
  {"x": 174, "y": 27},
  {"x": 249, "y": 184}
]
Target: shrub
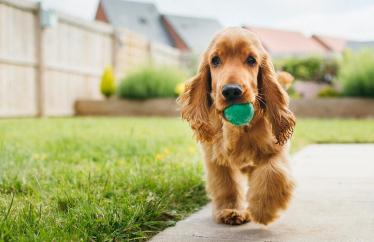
[
  {"x": 357, "y": 74},
  {"x": 308, "y": 68},
  {"x": 179, "y": 89},
  {"x": 151, "y": 82},
  {"x": 328, "y": 92},
  {"x": 292, "y": 93},
  {"x": 108, "y": 85}
]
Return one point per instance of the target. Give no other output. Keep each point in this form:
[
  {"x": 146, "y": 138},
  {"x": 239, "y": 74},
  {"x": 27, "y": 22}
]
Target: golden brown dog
[{"x": 236, "y": 69}]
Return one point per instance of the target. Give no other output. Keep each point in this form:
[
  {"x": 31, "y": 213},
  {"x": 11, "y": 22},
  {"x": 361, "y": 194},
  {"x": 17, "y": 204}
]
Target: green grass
[
  {"x": 325, "y": 131},
  {"x": 113, "y": 178}
]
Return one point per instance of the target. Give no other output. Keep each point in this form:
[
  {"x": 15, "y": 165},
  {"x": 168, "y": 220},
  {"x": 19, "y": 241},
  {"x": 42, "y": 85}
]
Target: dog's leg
[
  {"x": 271, "y": 187},
  {"x": 225, "y": 188}
]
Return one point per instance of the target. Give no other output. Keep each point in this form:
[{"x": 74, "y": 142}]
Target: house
[
  {"x": 331, "y": 44},
  {"x": 189, "y": 34},
  {"x": 139, "y": 17},
  {"x": 338, "y": 45},
  {"x": 192, "y": 34},
  {"x": 283, "y": 43},
  {"x": 358, "y": 45}
]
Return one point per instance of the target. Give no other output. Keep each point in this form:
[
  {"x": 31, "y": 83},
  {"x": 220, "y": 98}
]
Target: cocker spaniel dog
[{"x": 248, "y": 178}]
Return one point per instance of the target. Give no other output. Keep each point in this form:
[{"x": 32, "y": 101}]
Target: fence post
[
  {"x": 40, "y": 64},
  {"x": 114, "y": 51},
  {"x": 150, "y": 53}
]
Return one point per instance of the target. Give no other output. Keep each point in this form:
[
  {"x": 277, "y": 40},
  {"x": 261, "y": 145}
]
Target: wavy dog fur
[{"x": 244, "y": 165}]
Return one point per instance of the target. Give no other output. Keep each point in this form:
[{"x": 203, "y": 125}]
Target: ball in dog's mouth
[{"x": 239, "y": 114}]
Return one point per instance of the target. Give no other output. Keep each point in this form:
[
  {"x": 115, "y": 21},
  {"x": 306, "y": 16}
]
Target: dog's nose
[{"x": 232, "y": 91}]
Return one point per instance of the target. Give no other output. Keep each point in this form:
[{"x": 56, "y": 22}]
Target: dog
[{"x": 236, "y": 157}]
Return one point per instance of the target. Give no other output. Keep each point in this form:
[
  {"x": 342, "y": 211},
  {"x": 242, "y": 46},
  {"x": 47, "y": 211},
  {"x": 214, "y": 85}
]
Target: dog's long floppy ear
[
  {"x": 195, "y": 102},
  {"x": 276, "y": 100}
]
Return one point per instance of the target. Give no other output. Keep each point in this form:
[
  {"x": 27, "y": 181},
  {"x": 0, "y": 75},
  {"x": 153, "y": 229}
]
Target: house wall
[{"x": 43, "y": 71}]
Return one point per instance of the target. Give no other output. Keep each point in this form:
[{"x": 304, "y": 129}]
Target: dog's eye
[
  {"x": 216, "y": 61},
  {"x": 250, "y": 60}
]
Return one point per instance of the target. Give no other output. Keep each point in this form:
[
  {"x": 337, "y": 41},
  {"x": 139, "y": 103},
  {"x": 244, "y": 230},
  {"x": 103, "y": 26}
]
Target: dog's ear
[
  {"x": 195, "y": 102},
  {"x": 276, "y": 102}
]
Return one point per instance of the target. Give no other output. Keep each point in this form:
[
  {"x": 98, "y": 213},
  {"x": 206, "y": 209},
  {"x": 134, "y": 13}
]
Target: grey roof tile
[
  {"x": 195, "y": 32},
  {"x": 357, "y": 45},
  {"x": 139, "y": 17}
]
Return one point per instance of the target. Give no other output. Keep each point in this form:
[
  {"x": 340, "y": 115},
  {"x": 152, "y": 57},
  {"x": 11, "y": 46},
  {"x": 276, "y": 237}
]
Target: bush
[
  {"x": 108, "y": 85},
  {"x": 151, "y": 82},
  {"x": 357, "y": 74},
  {"x": 328, "y": 92},
  {"x": 179, "y": 89},
  {"x": 309, "y": 68},
  {"x": 292, "y": 93}
]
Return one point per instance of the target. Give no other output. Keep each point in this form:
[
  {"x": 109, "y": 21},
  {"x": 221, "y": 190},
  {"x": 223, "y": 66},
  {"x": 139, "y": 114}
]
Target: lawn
[{"x": 113, "y": 178}]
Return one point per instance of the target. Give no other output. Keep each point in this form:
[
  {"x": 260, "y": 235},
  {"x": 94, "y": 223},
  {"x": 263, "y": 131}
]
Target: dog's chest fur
[{"x": 239, "y": 147}]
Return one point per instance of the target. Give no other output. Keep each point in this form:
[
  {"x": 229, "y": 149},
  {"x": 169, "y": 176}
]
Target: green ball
[{"x": 239, "y": 114}]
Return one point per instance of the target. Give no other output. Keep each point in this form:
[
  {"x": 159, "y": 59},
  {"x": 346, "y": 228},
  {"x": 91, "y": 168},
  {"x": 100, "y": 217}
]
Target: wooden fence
[{"x": 43, "y": 71}]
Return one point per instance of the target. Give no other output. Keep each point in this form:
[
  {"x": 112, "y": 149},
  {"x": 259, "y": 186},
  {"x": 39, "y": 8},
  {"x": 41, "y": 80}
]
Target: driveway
[{"x": 334, "y": 201}]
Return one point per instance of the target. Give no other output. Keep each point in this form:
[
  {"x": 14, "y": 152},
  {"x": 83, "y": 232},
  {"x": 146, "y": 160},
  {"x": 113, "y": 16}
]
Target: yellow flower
[
  {"x": 120, "y": 162},
  {"x": 163, "y": 154},
  {"x": 166, "y": 151},
  {"x": 38, "y": 156},
  {"x": 192, "y": 149},
  {"x": 159, "y": 156}
]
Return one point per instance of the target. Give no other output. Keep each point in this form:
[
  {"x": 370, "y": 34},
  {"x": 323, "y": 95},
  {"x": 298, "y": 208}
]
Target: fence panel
[
  {"x": 60, "y": 64},
  {"x": 164, "y": 55},
  {"x": 75, "y": 54},
  {"x": 17, "y": 59},
  {"x": 132, "y": 51}
]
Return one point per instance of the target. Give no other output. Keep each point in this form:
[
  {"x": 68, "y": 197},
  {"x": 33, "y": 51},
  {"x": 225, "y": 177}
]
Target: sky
[{"x": 351, "y": 19}]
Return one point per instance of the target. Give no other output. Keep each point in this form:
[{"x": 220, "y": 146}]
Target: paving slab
[{"x": 334, "y": 201}]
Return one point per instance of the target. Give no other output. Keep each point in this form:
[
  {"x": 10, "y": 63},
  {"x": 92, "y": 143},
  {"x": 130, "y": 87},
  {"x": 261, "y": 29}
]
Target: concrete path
[{"x": 334, "y": 201}]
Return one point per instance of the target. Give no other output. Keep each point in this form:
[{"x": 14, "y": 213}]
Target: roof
[
  {"x": 139, "y": 17},
  {"x": 357, "y": 45},
  {"x": 333, "y": 44},
  {"x": 283, "y": 42},
  {"x": 195, "y": 32}
]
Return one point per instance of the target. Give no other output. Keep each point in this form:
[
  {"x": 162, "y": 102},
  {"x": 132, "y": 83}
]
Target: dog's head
[{"x": 235, "y": 69}]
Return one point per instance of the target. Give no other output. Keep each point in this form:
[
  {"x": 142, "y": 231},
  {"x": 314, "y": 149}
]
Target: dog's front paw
[{"x": 232, "y": 216}]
